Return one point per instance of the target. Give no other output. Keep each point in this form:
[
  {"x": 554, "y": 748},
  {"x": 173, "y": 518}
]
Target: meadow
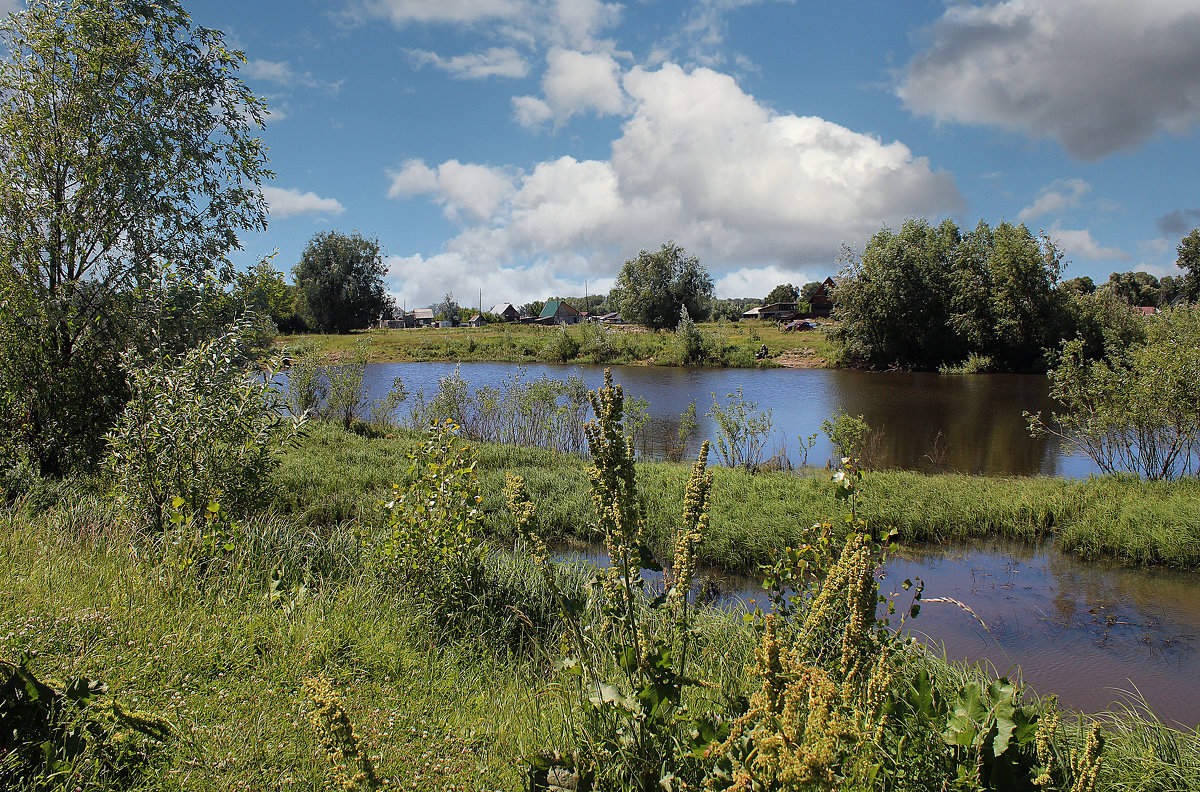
[{"x": 727, "y": 344}]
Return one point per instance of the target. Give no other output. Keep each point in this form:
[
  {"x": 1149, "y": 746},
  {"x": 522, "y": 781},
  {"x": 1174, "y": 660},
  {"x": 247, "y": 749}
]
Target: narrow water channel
[{"x": 1097, "y": 635}]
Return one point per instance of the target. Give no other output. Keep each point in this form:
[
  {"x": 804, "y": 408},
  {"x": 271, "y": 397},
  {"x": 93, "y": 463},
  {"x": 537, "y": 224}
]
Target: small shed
[
  {"x": 559, "y": 312},
  {"x": 423, "y": 317},
  {"x": 778, "y": 312},
  {"x": 476, "y": 321},
  {"x": 752, "y": 313}
]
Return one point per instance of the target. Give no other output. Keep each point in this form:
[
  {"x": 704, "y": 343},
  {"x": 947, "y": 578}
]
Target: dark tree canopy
[
  {"x": 127, "y": 143},
  {"x": 654, "y": 288},
  {"x": 1188, "y": 251},
  {"x": 340, "y": 282},
  {"x": 929, "y": 296},
  {"x": 783, "y": 293}
]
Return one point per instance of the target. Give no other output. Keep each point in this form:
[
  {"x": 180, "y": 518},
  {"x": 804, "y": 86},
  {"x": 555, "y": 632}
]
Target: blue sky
[{"x": 523, "y": 148}]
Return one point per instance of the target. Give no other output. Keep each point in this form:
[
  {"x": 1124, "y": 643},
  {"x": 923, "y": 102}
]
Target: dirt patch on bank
[{"x": 801, "y": 357}]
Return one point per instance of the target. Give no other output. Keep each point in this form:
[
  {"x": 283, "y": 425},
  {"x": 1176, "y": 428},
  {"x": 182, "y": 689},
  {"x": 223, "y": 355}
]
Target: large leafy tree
[
  {"x": 783, "y": 293},
  {"x": 655, "y": 287},
  {"x": 340, "y": 281},
  {"x": 929, "y": 295},
  {"x": 894, "y": 302},
  {"x": 127, "y": 143}
]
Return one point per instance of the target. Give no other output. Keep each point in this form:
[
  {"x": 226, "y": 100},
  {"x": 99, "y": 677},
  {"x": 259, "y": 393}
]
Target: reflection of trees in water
[{"x": 979, "y": 417}]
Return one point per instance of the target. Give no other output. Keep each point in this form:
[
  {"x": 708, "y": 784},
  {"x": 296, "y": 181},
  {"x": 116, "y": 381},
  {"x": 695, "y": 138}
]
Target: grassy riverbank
[
  {"x": 731, "y": 344},
  {"x": 441, "y": 697},
  {"x": 334, "y": 476}
]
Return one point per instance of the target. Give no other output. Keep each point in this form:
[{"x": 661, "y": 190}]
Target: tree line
[{"x": 933, "y": 296}]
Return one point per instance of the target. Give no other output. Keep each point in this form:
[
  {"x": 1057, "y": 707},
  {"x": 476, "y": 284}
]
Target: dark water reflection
[
  {"x": 970, "y": 424},
  {"x": 1089, "y": 632}
]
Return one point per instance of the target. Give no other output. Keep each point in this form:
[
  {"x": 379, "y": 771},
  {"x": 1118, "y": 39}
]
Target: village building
[
  {"x": 822, "y": 299},
  {"x": 559, "y": 312},
  {"x": 507, "y": 311}
]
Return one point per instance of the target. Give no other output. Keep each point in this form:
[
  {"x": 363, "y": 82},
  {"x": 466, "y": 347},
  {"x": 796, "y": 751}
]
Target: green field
[{"x": 731, "y": 344}]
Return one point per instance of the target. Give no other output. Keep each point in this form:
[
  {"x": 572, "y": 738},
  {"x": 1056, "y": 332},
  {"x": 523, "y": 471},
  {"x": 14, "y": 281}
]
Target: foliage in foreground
[
  {"x": 630, "y": 669},
  {"x": 419, "y": 654}
]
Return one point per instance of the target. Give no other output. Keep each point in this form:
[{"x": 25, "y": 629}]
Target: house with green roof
[{"x": 559, "y": 312}]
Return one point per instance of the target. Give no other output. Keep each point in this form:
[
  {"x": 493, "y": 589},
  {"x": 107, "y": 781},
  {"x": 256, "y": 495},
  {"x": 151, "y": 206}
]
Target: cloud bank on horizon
[{"x": 1041, "y": 94}]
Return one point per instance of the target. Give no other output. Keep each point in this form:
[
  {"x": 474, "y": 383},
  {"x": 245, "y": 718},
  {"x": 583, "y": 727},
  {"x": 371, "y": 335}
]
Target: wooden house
[
  {"x": 507, "y": 311},
  {"x": 559, "y": 312}
]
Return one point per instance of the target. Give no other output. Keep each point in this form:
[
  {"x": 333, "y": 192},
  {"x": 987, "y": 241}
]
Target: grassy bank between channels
[
  {"x": 334, "y": 476},
  {"x": 728, "y": 344}
]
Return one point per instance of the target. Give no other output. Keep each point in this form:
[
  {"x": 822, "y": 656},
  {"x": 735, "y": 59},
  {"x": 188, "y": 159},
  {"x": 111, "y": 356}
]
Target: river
[
  {"x": 1098, "y": 635},
  {"x": 970, "y": 424}
]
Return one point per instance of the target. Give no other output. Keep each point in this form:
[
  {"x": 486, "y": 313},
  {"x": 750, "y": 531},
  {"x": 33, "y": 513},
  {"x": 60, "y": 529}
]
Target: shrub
[
  {"x": 306, "y": 385},
  {"x": 847, "y": 432},
  {"x": 560, "y": 346},
  {"x": 742, "y": 430},
  {"x": 691, "y": 341},
  {"x": 198, "y": 426},
  {"x": 429, "y": 526},
  {"x": 1137, "y": 411}
]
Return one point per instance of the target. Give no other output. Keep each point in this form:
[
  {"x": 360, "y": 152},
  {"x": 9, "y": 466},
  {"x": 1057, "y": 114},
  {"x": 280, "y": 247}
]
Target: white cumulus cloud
[
  {"x": 283, "y": 74},
  {"x": 1079, "y": 244},
  {"x": 476, "y": 190},
  {"x": 290, "y": 203},
  {"x": 749, "y": 190},
  {"x": 1097, "y": 75},
  {"x": 574, "y": 82},
  {"x": 403, "y": 12}
]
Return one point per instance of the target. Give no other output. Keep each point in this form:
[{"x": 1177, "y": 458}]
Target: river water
[
  {"x": 971, "y": 424},
  {"x": 1099, "y": 636}
]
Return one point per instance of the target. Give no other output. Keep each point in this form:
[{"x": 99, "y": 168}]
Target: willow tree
[{"x": 127, "y": 144}]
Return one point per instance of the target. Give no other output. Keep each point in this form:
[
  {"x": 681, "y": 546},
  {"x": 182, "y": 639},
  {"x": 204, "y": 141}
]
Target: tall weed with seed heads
[{"x": 632, "y": 664}]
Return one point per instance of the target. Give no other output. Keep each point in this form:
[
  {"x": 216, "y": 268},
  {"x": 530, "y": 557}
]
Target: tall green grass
[{"x": 334, "y": 476}]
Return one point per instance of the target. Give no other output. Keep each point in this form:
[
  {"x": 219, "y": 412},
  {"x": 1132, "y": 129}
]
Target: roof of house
[
  {"x": 500, "y": 308},
  {"x": 752, "y": 312},
  {"x": 423, "y": 313},
  {"x": 778, "y": 307},
  {"x": 553, "y": 308}
]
